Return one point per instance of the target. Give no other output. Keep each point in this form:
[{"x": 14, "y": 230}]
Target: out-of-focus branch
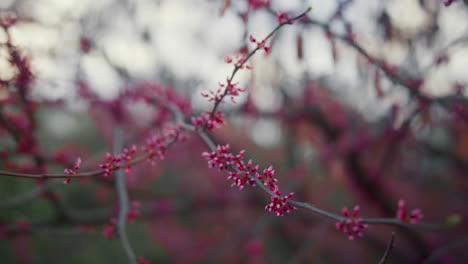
[
  {"x": 120, "y": 185},
  {"x": 445, "y": 101}
]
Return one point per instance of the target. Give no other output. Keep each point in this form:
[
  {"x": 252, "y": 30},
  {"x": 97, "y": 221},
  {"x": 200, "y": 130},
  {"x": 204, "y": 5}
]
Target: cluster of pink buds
[
  {"x": 211, "y": 121},
  {"x": 260, "y": 44},
  {"x": 239, "y": 61},
  {"x": 280, "y": 205},
  {"x": 134, "y": 212},
  {"x": 109, "y": 229},
  {"x": 157, "y": 145},
  {"x": 413, "y": 217},
  {"x": 214, "y": 96},
  {"x": 230, "y": 89},
  {"x": 241, "y": 176},
  {"x": 73, "y": 171},
  {"x": 223, "y": 159},
  {"x": 116, "y": 161},
  {"x": 127, "y": 156},
  {"x": 352, "y": 225},
  {"x": 283, "y": 18},
  {"x": 113, "y": 163},
  {"x": 268, "y": 180}
]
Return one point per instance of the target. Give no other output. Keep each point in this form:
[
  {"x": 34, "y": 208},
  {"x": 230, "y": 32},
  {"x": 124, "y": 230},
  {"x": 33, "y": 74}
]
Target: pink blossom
[
  {"x": 413, "y": 217},
  {"x": 73, "y": 171},
  {"x": 268, "y": 180},
  {"x": 127, "y": 156},
  {"x": 156, "y": 145},
  {"x": 211, "y": 121},
  {"x": 242, "y": 175},
  {"x": 283, "y": 18},
  {"x": 112, "y": 163},
  {"x": 220, "y": 158},
  {"x": 280, "y": 205},
  {"x": 352, "y": 225}
]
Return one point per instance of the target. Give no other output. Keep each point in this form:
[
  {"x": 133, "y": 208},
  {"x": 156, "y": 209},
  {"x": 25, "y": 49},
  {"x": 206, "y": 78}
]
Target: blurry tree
[{"x": 110, "y": 111}]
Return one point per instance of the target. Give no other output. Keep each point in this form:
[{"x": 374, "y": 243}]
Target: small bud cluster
[
  {"x": 229, "y": 89},
  {"x": 269, "y": 181},
  {"x": 127, "y": 156},
  {"x": 283, "y": 18},
  {"x": 157, "y": 145},
  {"x": 214, "y": 96},
  {"x": 73, "y": 171},
  {"x": 210, "y": 120},
  {"x": 352, "y": 225},
  {"x": 118, "y": 161},
  {"x": 280, "y": 205},
  {"x": 239, "y": 61},
  {"x": 413, "y": 217},
  {"x": 241, "y": 176},
  {"x": 243, "y": 173},
  {"x": 222, "y": 158},
  {"x": 261, "y": 44}
]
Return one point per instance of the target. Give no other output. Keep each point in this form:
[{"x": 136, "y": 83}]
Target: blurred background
[{"x": 363, "y": 102}]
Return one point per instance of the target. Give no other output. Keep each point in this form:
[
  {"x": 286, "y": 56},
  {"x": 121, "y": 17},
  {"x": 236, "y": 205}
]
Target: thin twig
[
  {"x": 444, "y": 101},
  {"x": 388, "y": 250},
  {"x": 239, "y": 66},
  {"x": 138, "y": 159}
]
